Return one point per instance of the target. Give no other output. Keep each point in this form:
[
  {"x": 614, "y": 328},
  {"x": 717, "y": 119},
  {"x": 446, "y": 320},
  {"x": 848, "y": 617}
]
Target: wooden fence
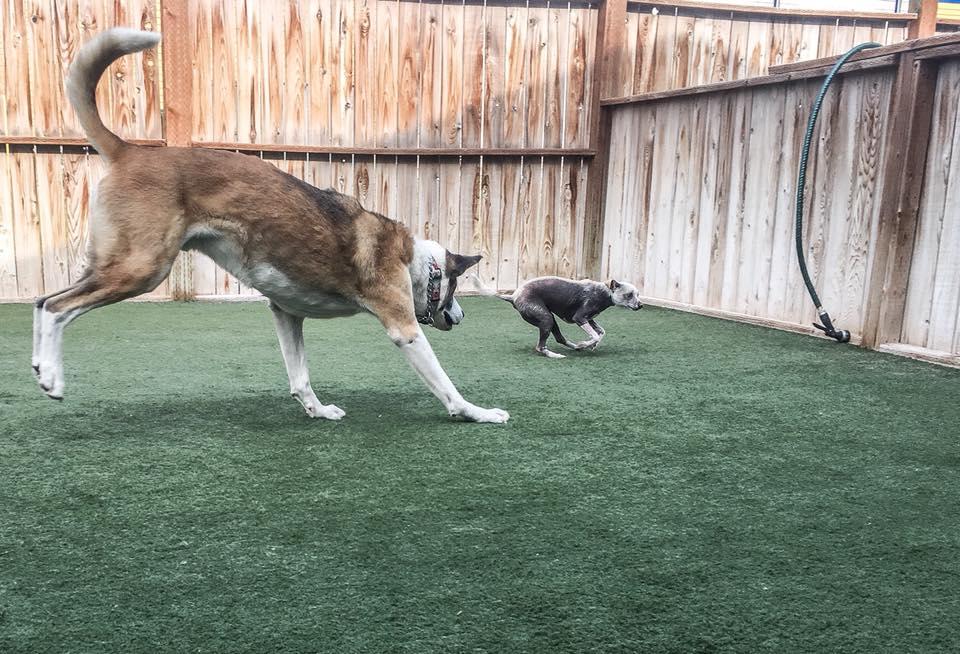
[
  {"x": 670, "y": 46},
  {"x": 700, "y": 198},
  {"x": 477, "y": 123}
]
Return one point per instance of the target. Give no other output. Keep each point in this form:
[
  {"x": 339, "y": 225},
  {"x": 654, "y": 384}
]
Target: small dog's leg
[
  {"x": 542, "y": 344},
  {"x": 290, "y": 335},
  {"x": 560, "y": 338},
  {"x": 594, "y": 340}
]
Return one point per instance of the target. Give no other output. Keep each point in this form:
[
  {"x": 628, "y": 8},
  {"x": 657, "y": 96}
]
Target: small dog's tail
[
  {"x": 488, "y": 292},
  {"x": 85, "y": 72}
]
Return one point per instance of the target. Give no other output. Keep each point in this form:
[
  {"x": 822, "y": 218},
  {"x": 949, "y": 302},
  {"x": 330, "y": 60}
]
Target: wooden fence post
[
  {"x": 925, "y": 23},
  {"x": 178, "y": 113},
  {"x": 903, "y": 171},
  {"x": 611, "y": 26}
]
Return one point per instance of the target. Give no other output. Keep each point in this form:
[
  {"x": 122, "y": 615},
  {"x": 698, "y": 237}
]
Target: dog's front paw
[
  {"x": 328, "y": 411},
  {"x": 473, "y": 413}
]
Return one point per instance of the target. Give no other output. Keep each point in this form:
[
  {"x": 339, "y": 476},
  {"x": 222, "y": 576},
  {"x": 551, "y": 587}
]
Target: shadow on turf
[{"x": 240, "y": 414}]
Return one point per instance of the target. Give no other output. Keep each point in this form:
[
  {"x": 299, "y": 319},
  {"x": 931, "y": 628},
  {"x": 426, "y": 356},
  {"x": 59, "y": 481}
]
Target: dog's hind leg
[
  {"x": 102, "y": 287},
  {"x": 38, "y": 320},
  {"x": 541, "y": 318},
  {"x": 290, "y": 335},
  {"x": 560, "y": 337}
]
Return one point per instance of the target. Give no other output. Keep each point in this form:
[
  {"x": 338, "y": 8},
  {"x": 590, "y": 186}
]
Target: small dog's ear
[
  {"x": 457, "y": 264},
  {"x": 614, "y": 284}
]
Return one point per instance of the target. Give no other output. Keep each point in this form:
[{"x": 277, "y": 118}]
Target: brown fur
[{"x": 321, "y": 239}]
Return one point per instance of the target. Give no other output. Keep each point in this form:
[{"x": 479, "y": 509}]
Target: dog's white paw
[
  {"x": 475, "y": 413},
  {"x": 328, "y": 411},
  {"x": 315, "y": 409},
  {"x": 50, "y": 383}
]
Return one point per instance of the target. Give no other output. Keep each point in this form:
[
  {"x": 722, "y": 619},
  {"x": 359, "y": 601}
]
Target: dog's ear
[
  {"x": 614, "y": 284},
  {"x": 457, "y": 264}
]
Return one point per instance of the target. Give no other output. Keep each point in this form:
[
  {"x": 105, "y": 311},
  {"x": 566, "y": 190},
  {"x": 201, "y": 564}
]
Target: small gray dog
[{"x": 544, "y": 299}]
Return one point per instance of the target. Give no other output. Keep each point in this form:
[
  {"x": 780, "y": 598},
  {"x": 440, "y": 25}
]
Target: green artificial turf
[{"x": 694, "y": 486}]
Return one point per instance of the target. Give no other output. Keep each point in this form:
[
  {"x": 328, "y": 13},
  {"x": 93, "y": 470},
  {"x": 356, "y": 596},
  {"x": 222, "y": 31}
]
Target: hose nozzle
[{"x": 839, "y": 335}]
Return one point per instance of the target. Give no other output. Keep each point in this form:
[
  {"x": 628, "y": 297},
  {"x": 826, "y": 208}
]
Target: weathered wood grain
[
  {"x": 26, "y": 224},
  {"x": 339, "y": 48},
  {"x": 945, "y": 300},
  {"x": 515, "y": 89},
  {"x": 473, "y": 75},
  {"x": 933, "y": 214},
  {"x": 365, "y": 68},
  {"x": 409, "y": 71},
  {"x": 452, "y": 83},
  {"x": 51, "y": 209},
  {"x": 431, "y": 57},
  {"x": 8, "y": 255}
]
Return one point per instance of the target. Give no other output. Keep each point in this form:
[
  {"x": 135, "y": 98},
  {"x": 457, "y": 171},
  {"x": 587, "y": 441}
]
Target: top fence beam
[{"x": 754, "y": 10}]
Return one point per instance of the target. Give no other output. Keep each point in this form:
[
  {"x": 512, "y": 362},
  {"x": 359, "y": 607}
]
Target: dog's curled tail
[
  {"x": 85, "y": 72},
  {"x": 488, "y": 292}
]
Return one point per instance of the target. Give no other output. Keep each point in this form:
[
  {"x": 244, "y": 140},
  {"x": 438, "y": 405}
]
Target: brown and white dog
[{"x": 314, "y": 253}]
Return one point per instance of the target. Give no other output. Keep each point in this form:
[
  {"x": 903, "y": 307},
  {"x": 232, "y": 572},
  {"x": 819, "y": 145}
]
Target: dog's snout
[{"x": 451, "y": 320}]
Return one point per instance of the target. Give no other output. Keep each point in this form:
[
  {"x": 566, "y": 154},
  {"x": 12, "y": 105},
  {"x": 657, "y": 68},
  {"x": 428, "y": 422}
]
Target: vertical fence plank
[
  {"x": 43, "y": 92},
  {"x": 248, "y": 111},
  {"x": 872, "y": 112},
  {"x": 408, "y": 73},
  {"x": 26, "y": 224},
  {"x": 322, "y": 47},
  {"x": 453, "y": 81},
  {"x": 223, "y": 31},
  {"x": 574, "y": 115},
  {"x": 508, "y": 245},
  {"x": 344, "y": 84},
  {"x": 296, "y": 88},
  {"x": 386, "y": 92},
  {"x": 450, "y": 192},
  {"x": 912, "y": 110},
  {"x": 761, "y": 202},
  {"x": 365, "y": 67},
  {"x": 4, "y": 38},
  {"x": 52, "y": 210},
  {"x": 937, "y": 180},
  {"x": 644, "y": 56},
  {"x": 8, "y": 253},
  {"x": 556, "y": 52},
  {"x": 493, "y": 101},
  {"x": 17, "y": 59},
  {"x": 719, "y": 55},
  {"x": 432, "y": 63},
  {"x": 528, "y": 213},
  {"x": 707, "y": 214},
  {"x": 202, "y": 96},
  {"x": 740, "y": 121},
  {"x": 945, "y": 305},
  {"x": 514, "y": 83},
  {"x": 76, "y": 193}
]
